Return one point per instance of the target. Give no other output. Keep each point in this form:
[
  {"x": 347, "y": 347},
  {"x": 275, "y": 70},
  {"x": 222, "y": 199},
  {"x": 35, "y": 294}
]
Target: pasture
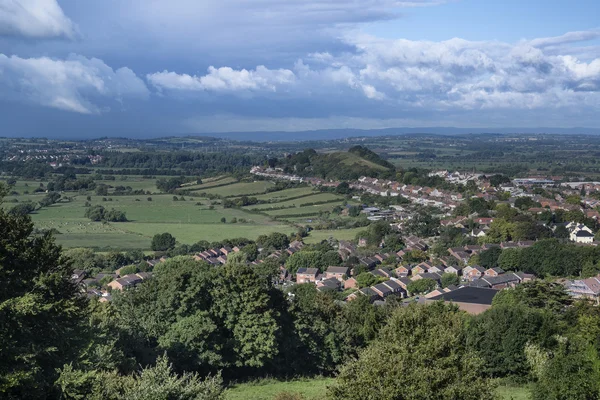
[
  {"x": 239, "y": 189},
  {"x": 189, "y": 220}
]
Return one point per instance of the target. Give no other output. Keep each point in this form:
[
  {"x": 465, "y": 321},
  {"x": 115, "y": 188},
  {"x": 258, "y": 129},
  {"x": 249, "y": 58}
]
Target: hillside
[{"x": 356, "y": 162}]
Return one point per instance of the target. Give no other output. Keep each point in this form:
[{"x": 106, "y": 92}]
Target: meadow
[
  {"x": 267, "y": 389},
  {"x": 190, "y": 219},
  {"x": 315, "y": 389},
  {"x": 238, "y": 189}
]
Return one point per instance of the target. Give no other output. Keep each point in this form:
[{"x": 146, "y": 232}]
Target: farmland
[{"x": 189, "y": 218}]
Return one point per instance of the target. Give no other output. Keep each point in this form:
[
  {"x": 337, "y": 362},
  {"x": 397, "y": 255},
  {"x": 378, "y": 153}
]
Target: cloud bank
[
  {"x": 34, "y": 19},
  {"x": 74, "y": 84},
  {"x": 452, "y": 74}
]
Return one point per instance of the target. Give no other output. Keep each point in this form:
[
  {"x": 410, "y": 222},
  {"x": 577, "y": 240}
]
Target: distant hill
[
  {"x": 356, "y": 162},
  {"x": 331, "y": 134}
]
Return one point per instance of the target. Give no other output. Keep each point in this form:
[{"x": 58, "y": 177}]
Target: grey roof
[
  {"x": 382, "y": 288},
  {"x": 584, "y": 233},
  {"x": 308, "y": 271},
  {"x": 392, "y": 285},
  {"x": 468, "y": 294},
  {"x": 337, "y": 270}
]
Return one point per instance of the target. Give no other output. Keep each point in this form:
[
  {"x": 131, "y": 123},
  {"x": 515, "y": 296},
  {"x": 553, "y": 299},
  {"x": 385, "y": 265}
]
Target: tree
[
  {"x": 304, "y": 259},
  {"x": 449, "y": 279},
  {"x": 251, "y": 251},
  {"x": 426, "y": 358},
  {"x": 535, "y": 294},
  {"x": 498, "y": 179},
  {"x": 153, "y": 383},
  {"x": 569, "y": 372},
  {"x": 22, "y": 209},
  {"x": 162, "y": 242},
  {"x": 343, "y": 188},
  {"x": 489, "y": 258},
  {"x": 50, "y": 199},
  {"x": 275, "y": 240},
  {"x": 500, "y": 334},
  {"x": 40, "y": 309},
  {"x": 366, "y": 279},
  {"x": 223, "y": 220},
  {"x": 420, "y": 286}
]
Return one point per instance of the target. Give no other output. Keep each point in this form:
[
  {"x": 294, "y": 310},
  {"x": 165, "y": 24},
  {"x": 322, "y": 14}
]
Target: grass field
[
  {"x": 317, "y": 197},
  {"x": 211, "y": 183},
  {"x": 510, "y": 392},
  {"x": 311, "y": 389},
  {"x": 189, "y": 221},
  {"x": 240, "y": 189},
  {"x": 283, "y": 195},
  {"x": 306, "y": 210},
  {"x": 315, "y": 389},
  {"x": 340, "y": 234}
]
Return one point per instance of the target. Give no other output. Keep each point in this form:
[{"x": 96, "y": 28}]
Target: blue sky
[{"x": 72, "y": 68}]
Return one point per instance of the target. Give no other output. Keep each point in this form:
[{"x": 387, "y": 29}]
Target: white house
[{"x": 580, "y": 233}]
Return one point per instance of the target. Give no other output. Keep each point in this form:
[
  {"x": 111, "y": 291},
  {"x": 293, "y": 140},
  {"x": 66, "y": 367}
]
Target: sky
[{"x": 143, "y": 68}]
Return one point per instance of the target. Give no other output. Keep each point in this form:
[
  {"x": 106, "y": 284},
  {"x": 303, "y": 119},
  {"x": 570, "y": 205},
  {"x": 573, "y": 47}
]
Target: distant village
[{"x": 393, "y": 273}]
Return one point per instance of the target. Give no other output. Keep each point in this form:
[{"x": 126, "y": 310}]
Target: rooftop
[{"x": 468, "y": 294}]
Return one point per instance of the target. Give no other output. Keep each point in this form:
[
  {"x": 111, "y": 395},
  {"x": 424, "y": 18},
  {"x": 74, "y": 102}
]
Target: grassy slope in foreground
[
  {"x": 311, "y": 389},
  {"x": 315, "y": 389}
]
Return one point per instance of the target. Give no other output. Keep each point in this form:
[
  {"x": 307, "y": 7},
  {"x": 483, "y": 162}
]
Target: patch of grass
[
  {"x": 283, "y": 195},
  {"x": 340, "y": 234},
  {"x": 240, "y": 189},
  {"x": 318, "y": 197},
  {"x": 513, "y": 392},
  {"x": 104, "y": 241},
  {"x": 224, "y": 180},
  {"x": 267, "y": 389},
  {"x": 302, "y": 211}
]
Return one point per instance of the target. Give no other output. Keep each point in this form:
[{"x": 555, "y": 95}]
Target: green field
[
  {"x": 240, "y": 189},
  {"x": 189, "y": 221},
  {"x": 311, "y": 389},
  {"x": 283, "y": 195},
  {"x": 340, "y": 234},
  {"x": 224, "y": 180},
  {"x": 512, "y": 392},
  {"x": 315, "y": 389},
  {"x": 306, "y": 210},
  {"x": 315, "y": 198}
]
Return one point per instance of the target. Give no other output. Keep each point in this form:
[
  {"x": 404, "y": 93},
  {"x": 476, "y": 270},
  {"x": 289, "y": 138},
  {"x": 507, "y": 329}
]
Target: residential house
[
  {"x": 331, "y": 284},
  {"x": 472, "y": 273},
  {"x": 339, "y": 273},
  {"x": 580, "y": 233},
  {"x": 584, "y": 288},
  {"x": 78, "y": 276},
  {"x": 451, "y": 269},
  {"x": 402, "y": 271},
  {"x": 493, "y": 271},
  {"x": 305, "y": 275},
  {"x": 382, "y": 273},
  {"x": 125, "y": 282},
  {"x": 350, "y": 283},
  {"x": 428, "y": 275}
]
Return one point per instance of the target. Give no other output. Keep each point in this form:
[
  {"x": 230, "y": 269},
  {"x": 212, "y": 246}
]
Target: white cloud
[
  {"x": 72, "y": 84},
  {"x": 453, "y": 74},
  {"x": 224, "y": 79},
  {"x": 569, "y": 37},
  {"x": 35, "y": 19}
]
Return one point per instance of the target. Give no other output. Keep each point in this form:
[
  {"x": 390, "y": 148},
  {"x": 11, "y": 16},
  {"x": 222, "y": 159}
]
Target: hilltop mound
[{"x": 350, "y": 165}]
